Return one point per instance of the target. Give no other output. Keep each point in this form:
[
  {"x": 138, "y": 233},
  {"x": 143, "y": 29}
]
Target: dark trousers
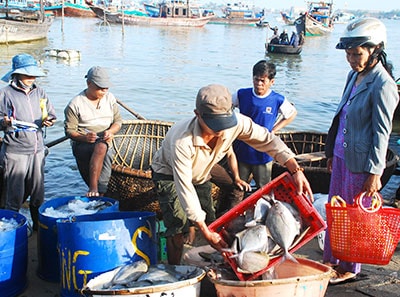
[{"x": 231, "y": 194}]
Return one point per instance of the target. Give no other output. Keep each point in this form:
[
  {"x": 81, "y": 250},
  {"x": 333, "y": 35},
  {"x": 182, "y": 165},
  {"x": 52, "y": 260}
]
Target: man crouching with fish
[{"x": 181, "y": 167}]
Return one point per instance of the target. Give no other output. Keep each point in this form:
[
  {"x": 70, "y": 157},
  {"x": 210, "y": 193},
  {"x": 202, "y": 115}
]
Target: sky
[{"x": 382, "y": 5}]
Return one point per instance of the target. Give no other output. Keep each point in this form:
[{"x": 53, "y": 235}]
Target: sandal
[
  {"x": 340, "y": 278},
  {"x": 92, "y": 194}
]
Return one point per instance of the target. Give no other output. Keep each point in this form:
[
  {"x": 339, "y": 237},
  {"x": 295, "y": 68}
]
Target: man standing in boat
[
  {"x": 275, "y": 37},
  {"x": 181, "y": 167}
]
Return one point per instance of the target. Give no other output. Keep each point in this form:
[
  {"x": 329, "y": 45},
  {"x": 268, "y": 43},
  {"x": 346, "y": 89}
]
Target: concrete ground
[{"x": 377, "y": 281}]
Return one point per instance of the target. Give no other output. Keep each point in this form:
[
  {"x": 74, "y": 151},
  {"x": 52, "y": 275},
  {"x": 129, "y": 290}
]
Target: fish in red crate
[
  {"x": 303, "y": 214},
  {"x": 250, "y": 248},
  {"x": 284, "y": 225}
]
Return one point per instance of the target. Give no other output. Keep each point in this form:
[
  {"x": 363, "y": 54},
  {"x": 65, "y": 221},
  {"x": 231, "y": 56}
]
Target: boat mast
[
  {"x": 6, "y": 9},
  {"x": 41, "y": 11}
]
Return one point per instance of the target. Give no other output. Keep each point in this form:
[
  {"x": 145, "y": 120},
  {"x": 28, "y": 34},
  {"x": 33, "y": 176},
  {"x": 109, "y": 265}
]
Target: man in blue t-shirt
[{"x": 266, "y": 108}]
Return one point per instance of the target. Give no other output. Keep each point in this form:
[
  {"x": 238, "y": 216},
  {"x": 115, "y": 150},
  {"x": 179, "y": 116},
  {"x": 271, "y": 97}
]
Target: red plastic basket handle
[
  {"x": 337, "y": 201},
  {"x": 376, "y": 202}
]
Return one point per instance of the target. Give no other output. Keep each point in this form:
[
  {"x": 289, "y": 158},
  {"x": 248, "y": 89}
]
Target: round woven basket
[
  {"x": 306, "y": 142},
  {"x": 133, "y": 148}
]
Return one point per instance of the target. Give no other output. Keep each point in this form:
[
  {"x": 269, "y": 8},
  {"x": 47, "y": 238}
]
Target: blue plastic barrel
[
  {"x": 92, "y": 245},
  {"x": 13, "y": 255},
  {"x": 48, "y": 258}
]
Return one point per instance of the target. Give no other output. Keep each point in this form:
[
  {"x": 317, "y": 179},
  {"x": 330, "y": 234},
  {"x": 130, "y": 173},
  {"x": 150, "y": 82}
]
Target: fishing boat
[
  {"x": 78, "y": 10},
  {"x": 21, "y": 25},
  {"x": 283, "y": 49},
  {"x": 105, "y": 14},
  {"x": 309, "y": 147},
  {"x": 287, "y": 19},
  {"x": 113, "y": 14},
  {"x": 290, "y": 17},
  {"x": 342, "y": 17},
  {"x": 262, "y": 23},
  {"x": 173, "y": 13},
  {"x": 235, "y": 21},
  {"x": 152, "y": 9},
  {"x": 237, "y": 14},
  {"x": 317, "y": 20}
]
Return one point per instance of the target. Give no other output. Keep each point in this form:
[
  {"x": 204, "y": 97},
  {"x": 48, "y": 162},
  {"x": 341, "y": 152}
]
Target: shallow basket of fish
[
  {"x": 309, "y": 147},
  {"x": 147, "y": 281},
  {"x": 289, "y": 222},
  {"x": 134, "y": 147},
  {"x": 306, "y": 278}
]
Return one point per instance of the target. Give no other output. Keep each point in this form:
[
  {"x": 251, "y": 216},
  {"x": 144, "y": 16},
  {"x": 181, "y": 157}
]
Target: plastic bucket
[
  {"x": 307, "y": 278},
  {"x": 48, "y": 259},
  {"x": 13, "y": 255},
  {"x": 94, "y": 244},
  {"x": 185, "y": 288}
]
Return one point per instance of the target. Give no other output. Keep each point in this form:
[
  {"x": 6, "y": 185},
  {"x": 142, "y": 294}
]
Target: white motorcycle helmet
[{"x": 363, "y": 31}]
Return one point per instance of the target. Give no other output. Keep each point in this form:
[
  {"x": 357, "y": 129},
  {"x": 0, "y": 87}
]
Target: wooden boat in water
[
  {"x": 104, "y": 14},
  {"x": 113, "y": 14},
  {"x": 168, "y": 21},
  {"x": 152, "y": 10},
  {"x": 19, "y": 25},
  {"x": 289, "y": 17},
  {"x": 77, "y": 10},
  {"x": 236, "y": 14},
  {"x": 283, "y": 49},
  {"x": 309, "y": 146},
  {"x": 235, "y": 21},
  {"x": 317, "y": 20},
  {"x": 342, "y": 17},
  {"x": 174, "y": 13}
]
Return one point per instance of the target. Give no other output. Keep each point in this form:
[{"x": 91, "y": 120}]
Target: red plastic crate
[{"x": 284, "y": 190}]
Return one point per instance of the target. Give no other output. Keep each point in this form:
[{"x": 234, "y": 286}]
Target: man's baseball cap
[{"x": 214, "y": 103}]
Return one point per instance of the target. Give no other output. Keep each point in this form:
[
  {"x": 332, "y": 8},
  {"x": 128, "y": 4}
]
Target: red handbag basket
[{"x": 363, "y": 235}]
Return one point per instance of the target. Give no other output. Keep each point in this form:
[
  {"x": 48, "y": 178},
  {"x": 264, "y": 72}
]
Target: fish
[
  {"x": 251, "y": 262},
  {"x": 236, "y": 225},
  {"x": 294, "y": 211},
  {"x": 249, "y": 241},
  {"x": 99, "y": 206},
  {"x": 283, "y": 226},
  {"x": 260, "y": 211},
  {"x": 127, "y": 273},
  {"x": 155, "y": 274}
]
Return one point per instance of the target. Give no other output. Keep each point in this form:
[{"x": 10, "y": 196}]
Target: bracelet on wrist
[{"x": 296, "y": 170}]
